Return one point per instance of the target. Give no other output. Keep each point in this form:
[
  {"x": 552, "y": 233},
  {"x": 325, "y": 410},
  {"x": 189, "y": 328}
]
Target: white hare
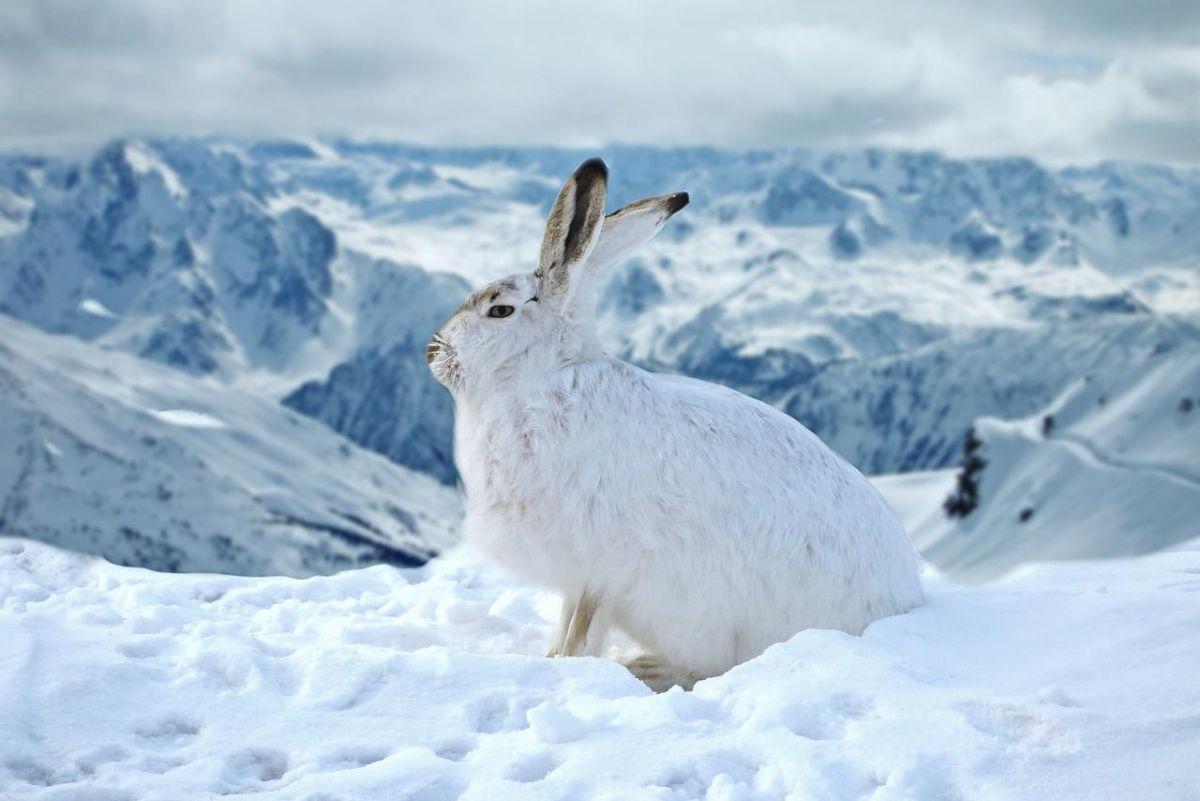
[{"x": 704, "y": 524}]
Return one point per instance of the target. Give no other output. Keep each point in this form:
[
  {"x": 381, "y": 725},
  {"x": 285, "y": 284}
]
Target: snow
[
  {"x": 1064, "y": 681},
  {"x": 95, "y": 307},
  {"x": 916, "y": 497},
  {"x": 188, "y": 418},
  {"x": 144, "y": 160}
]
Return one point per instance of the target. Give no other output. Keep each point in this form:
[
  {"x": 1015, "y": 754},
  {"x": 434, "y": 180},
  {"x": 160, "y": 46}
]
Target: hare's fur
[{"x": 704, "y": 524}]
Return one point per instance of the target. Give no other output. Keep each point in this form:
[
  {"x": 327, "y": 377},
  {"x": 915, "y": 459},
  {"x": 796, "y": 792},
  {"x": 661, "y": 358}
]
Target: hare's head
[{"x": 532, "y": 323}]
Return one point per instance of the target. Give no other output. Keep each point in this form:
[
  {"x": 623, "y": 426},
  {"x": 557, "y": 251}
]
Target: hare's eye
[{"x": 500, "y": 311}]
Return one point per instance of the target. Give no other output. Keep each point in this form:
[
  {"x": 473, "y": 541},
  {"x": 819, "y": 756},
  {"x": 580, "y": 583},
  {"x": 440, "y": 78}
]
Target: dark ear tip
[
  {"x": 677, "y": 201},
  {"x": 592, "y": 170}
]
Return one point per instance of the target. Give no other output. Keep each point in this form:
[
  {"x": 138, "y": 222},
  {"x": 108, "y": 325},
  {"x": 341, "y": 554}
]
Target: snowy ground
[{"x": 1072, "y": 681}]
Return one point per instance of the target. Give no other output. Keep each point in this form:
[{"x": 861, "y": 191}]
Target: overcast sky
[{"x": 1075, "y": 81}]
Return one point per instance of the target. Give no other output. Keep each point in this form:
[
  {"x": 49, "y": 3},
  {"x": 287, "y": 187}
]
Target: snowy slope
[
  {"x": 1108, "y": 469},
  {"x": 910, "y": 410},
  {"x": 106, "y": 453},
  {"x": 1065, "y": 682}
]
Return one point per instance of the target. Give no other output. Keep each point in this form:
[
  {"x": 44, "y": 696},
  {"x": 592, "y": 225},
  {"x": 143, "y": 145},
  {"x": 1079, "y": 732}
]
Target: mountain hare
[{"x": 704, "y": 524}]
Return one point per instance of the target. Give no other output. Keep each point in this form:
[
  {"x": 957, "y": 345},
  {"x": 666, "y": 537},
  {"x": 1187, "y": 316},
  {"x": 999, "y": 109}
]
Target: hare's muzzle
[{"x": 439, "y": 355}]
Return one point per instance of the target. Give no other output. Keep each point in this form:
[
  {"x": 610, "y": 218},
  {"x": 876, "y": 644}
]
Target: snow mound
[{"x": 387, "y": 683}]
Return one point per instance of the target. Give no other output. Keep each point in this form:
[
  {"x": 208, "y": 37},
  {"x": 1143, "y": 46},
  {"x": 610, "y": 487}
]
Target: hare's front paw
[
  {"x": 565, "y": 614},
  {"x": 581, "y": 627},
  {"x": 658, "y": 674}
]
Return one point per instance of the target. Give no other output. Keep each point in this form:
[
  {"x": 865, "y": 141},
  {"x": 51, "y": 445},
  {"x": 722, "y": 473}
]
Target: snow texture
[{"x": 1067, "y": 682}]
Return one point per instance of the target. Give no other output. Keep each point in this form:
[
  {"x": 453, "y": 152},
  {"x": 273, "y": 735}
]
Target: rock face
[
  {"x": 381, "y": 400},
  {"x": 204, "y": 277},
  {"x": 382, "y": 395}
]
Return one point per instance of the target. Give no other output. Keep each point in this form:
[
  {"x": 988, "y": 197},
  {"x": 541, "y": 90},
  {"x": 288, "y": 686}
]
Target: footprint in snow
[
  {"x": 351, "y": 758},
  {"x": 245, "y": 769},
  {"x": 454, "y": 749},
  {"x": 496, "y": 713},
  {"x": 33, "y": 772},
  {"x": 826, "y": 719},
  {"x": 172, "y": 732},
  {"x": 696, "y": 777},
  {"x": 532, "y": 767},
  {"x": 1019, "y": 725},
  {"x": 144, "y": 647}
]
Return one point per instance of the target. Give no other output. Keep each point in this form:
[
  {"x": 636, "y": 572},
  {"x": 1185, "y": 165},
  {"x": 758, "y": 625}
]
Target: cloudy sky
[{"x": 1076, "y": 80}]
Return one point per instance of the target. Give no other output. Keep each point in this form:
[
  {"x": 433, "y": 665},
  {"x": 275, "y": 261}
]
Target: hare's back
[
  {"x": 775, "y": 521},
  {"x": 695, "y": 455},
  {"x": 745, "y": 432},
  {"x": 720, "y": 451}
]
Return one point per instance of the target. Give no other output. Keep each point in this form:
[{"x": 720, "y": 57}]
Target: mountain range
[{"x": 886, "y": 299}]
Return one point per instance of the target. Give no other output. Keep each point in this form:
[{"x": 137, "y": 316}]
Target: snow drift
[{"x": 1066, "y": 682}]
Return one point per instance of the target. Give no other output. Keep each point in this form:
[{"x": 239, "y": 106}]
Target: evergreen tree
[{"x": 965, "y": 497}]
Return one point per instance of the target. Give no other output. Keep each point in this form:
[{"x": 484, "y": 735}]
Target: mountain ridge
[{"x": 886, "y": 299}]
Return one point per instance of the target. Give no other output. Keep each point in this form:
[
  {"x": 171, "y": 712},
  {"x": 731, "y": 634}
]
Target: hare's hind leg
[{"x": 658, "y": 674}]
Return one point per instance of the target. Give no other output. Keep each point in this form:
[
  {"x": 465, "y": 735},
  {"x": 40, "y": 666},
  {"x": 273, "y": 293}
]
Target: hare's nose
[{"x": 431, "y": 351}]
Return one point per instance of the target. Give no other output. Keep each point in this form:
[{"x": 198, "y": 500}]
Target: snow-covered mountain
[
  {"x": 110, "y": 454},
  {"x": 184, "y": 253},
  {"x": 909, "y": 411},
  {"x": 1108, "y": 469},
  {"x": 886, "y": 299}
]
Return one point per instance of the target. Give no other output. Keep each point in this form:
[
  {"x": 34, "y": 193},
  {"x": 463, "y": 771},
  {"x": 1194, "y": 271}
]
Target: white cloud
[{"x": 1068, "y": 81}]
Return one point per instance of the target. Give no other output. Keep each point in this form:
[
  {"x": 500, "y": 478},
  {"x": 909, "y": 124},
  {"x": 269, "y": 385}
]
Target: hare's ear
[
  {"x": 631, "y": 227},
  {"x": 573, "y": 227}
]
